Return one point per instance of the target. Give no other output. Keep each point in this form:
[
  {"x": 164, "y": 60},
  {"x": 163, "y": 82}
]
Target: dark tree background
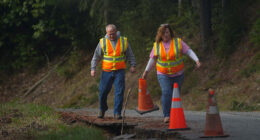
[{"x": 34, "y": 32}]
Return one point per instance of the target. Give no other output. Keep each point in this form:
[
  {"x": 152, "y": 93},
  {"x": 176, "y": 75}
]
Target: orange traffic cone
[
  {"x": 213, "y": 126},
  {"x": 145, "y": 103},
  {"x": 177, "y": 118}
]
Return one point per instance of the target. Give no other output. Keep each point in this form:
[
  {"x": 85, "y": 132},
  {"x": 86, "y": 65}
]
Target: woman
[{"x": 167, "y": 55}]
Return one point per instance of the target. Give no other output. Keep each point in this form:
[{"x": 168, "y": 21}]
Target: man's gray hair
[{"x": 111, "y": 26}]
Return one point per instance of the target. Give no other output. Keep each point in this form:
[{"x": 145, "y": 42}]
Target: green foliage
[
  {"x": 255, "y": 33},
  {"x": 35, "y": 30},
  {"x": 186, "y": 24},
  {"x": 232, "y": 28},
  {"x": 134, "y": 19},
  {"x": 17, "y": 48}
]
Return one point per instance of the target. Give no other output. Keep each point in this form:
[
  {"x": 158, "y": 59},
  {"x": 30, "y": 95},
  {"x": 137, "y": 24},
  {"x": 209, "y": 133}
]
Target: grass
[
  {"x": 31, "y": 121},
  {"x": 25, "y": 112},
  {"x": 76, "y": 133},
  {"x": 252, "y": 67},
  {"x": 93, "y": 88},
  {"x": 190, "y": 78},
  {"x": 72, "y": 65},
  {"x": 75, "y": 101},
  {"x": 80, "y": 100},
  {"x": 242, "y": 106},
  {"x": 195, "y": 100}
]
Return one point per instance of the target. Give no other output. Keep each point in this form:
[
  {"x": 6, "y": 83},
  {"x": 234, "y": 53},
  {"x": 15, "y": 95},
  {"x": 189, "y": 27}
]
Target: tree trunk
[
  {"x": 195, "y": 6},
  {"x": 179, "y": 7},
  {"x": 225, "y": 4},
  {"x": 106, "y": 11},
  {"x": 195, "y": 3},
  {"x": 225, "y": 9},
  {"x": 205, "y": 23}
]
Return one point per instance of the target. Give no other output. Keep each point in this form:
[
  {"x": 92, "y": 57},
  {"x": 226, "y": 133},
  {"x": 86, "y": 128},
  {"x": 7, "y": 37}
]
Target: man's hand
[
  {"x": 93, "y": 73},
  {"x": 132, "y": 69}
]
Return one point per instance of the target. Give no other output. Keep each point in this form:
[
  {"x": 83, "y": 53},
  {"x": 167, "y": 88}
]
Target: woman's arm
[{"x": 151, "y": 63}]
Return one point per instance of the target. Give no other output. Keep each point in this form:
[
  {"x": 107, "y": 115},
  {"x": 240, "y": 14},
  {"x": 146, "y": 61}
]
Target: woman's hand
[
  {"x": 198, "y": 64},
  {"x": 145, "y": 74}
]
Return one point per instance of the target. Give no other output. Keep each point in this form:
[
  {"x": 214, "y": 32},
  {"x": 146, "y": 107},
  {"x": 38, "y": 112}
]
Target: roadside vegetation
[
  {"x": 46, "y": 47},
  {"x": 31, "y": 121},
  {"x": 60, "y": 36}
]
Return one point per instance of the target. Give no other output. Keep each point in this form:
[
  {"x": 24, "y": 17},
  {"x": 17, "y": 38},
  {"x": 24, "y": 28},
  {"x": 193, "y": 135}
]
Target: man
[{"x": 114, "y": 49}]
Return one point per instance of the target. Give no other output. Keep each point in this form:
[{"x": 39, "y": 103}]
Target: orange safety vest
[
  {"x": 171, "y": 62},
  {"x": 113, "y": 59}
]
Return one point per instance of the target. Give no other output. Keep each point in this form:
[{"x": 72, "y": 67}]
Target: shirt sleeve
[
  {"x": 151, "y": 63},
  {"x": 152, "y": 54},
  {"x": 130, "y": 55},
  {"x": 192, "y": 55},
  {"x": 96, "y": 57},
  {"x": 184, "y": 47}
]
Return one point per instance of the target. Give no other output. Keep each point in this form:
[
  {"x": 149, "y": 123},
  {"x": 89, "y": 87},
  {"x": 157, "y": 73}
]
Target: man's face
[{"x": 111, "y": 33}]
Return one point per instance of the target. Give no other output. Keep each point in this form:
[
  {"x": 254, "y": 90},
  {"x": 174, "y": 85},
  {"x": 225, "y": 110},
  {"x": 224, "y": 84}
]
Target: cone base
[
  {"x": 147, "y": 111},
  {"x": 178, "y": 129},
  {"x": 220, "y": 136}
]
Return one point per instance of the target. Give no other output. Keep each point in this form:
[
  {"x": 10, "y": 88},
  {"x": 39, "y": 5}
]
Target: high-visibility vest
[
  {"x": 114, "y": 59},
  {"x": 171, "y": 62}
]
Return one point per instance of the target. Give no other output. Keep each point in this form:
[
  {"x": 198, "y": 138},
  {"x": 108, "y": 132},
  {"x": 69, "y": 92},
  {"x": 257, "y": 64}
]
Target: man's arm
[
  {"x": 96, "y": 58},
  {"x": 130, "y": 57}
]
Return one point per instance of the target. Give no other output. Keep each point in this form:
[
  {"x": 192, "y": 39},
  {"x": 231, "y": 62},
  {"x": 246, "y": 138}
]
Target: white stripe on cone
[
  {"x": 213, "y": 110},
  {"x": 176, "y": 104}
]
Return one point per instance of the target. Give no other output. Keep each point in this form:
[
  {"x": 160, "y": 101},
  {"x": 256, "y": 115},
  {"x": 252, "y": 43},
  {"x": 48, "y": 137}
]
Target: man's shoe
[
  {"x": 166, "y": 119},
  {"x": 101, "y": 114},
  {"x": 117, "y": 117}
]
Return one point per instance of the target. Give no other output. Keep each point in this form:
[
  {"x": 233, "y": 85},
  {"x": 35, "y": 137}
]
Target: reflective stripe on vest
[
  {"x": 171, "y": 62},
  {"x": 114, "y": 59}
]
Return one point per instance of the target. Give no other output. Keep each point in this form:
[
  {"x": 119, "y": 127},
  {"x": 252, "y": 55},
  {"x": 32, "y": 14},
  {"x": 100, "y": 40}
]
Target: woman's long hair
[{"x": 161, "y": 31}]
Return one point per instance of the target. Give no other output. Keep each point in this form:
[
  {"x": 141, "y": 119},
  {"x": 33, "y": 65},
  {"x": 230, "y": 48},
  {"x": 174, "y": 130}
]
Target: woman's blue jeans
[
  {"x": 107, "y": 79},
  {"x": 166, "y": 84}
]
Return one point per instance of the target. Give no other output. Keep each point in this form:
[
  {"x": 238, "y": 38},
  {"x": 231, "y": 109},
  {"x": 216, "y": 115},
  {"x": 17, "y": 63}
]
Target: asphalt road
[{"x": 238, "y": 125}]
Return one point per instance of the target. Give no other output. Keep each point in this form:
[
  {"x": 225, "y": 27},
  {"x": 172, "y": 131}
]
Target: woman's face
[{"x": 166, "y": 35}]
